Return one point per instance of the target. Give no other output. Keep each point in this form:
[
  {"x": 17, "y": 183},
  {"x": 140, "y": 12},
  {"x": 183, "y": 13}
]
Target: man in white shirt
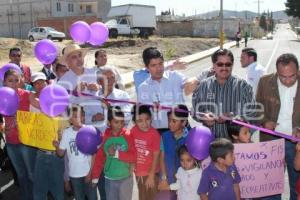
[
  {"x": 279, "y": 93},
  {"x": 254, "y": 70},
  {"x": 96, "y": 109},
  {"x": 162, "y": 88},
  {"x": 78, "y": 78}
]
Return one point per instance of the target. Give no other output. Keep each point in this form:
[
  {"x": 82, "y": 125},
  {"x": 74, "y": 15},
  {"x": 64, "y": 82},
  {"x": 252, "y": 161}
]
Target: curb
[{"x": 128, "y": 77}]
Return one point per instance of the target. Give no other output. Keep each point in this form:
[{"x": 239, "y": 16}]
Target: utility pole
[
  {"x": 258, "y": 6},
  {"x": 221, "y": 25}
]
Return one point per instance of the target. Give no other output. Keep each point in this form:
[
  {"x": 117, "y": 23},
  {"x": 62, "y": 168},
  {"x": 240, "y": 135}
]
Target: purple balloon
[
  {"x": 80, "y": 31},
  {"x": 165, "y": 195},
  {"x": 9, "y": 66},
  {"x": 45, "y": 51},
  {"x": 88, "y": 140},
  {"x": 99, "y": 33},
  {"x": 9, "y": 101},
  {"x": 198, "y": 141},
  {"x": 53, "y": 100}
]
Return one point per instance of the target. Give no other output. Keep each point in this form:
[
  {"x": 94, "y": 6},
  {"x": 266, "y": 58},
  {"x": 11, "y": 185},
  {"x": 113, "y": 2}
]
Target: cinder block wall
[{"x": 175, "y": 28}]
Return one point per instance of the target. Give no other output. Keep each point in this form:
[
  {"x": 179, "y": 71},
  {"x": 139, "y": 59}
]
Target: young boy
[
  {"x": 170, "y": 143},
  {"x": 79, "y": 163},
  {"x": 238, "y": 133},
  {"x": 147, "y": 144},
  {"x": 116, "y": 157},
  {"x": 221, "y": 178}
]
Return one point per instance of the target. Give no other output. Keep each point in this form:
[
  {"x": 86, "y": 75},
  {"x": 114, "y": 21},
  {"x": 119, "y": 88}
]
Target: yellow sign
[{"x": 37, "y": 129}]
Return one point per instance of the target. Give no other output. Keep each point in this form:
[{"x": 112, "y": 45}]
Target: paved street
[{"x": 284, "y": 41}]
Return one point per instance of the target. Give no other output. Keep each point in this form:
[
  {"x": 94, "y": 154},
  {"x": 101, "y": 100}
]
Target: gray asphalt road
[{"x": 268, "y": 50}]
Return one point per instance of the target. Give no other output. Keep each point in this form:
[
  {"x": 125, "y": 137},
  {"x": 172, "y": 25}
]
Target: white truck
[{"x": 131, "y": 19}]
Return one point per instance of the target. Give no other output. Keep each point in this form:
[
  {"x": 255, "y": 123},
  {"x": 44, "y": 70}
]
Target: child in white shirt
[
  {"x": 79, "y": 163},
  {"x": 188, "y": 177}
]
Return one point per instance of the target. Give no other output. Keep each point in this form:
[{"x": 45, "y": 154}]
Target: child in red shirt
[
  {"x": 115, "y": 158},
  {"x": 147, "y": 144}
]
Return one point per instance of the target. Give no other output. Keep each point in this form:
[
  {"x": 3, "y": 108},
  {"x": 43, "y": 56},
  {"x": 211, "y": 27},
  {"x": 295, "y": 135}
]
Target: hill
[{"x": 241, "y": 14}]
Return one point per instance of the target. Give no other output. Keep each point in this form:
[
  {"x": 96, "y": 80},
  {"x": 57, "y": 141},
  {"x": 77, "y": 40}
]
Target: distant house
[{"x": 17, "y": 17}]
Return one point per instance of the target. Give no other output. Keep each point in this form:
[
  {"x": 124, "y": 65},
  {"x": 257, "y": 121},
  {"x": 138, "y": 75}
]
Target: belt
[{"x": 47, "y": 152}]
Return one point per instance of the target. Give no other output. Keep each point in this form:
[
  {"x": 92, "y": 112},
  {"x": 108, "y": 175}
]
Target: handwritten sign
[
  {"x": 261, "y": 167},
  {"x": 37, "y": 129}
]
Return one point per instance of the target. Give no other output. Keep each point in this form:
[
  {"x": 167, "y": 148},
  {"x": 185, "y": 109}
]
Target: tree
[
  {"x": 266, "y": 21},
  {"x": 263, "y": 22},
  {"x": 293, "y": 8}
]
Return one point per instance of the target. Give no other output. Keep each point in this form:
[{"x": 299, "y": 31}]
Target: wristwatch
[{"x": 163, "y": 177}]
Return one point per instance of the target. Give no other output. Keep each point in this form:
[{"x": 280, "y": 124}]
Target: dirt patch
[{"x": 125, "y": 53}]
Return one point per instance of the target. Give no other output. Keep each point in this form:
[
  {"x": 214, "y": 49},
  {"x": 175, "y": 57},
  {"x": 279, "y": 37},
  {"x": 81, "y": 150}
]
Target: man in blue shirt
[{"x": 139, "y": 76}]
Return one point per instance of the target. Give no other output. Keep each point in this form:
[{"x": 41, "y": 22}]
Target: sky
[{"x": 190, "y": 7}]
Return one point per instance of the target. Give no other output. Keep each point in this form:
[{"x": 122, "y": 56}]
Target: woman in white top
[{"x": 101, "y": 63}]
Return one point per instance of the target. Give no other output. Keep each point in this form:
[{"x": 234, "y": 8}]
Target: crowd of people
[{"x": 146, "y": 141}]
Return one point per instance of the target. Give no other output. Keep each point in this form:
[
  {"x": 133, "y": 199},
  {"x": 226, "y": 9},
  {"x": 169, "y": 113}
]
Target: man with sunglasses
[
  {"x": 279, "y": 93},
  {"x": 254, "y": 70},
  {"x": 15, "y": 56},
  {"x": 222, "y": 95}
]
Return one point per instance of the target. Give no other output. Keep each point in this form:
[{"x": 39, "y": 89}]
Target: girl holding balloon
[
  {"x": 188, "y": 176},
  {"x": 17, "y": 152}
]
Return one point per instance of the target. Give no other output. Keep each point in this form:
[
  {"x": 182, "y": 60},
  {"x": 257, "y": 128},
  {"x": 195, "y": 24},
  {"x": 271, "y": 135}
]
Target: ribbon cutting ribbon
[{"x": 268, "y": 131}]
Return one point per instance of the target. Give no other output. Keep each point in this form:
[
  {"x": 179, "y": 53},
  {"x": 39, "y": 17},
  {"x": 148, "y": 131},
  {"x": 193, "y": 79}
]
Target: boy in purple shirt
[{"x": 220, "y": 180}]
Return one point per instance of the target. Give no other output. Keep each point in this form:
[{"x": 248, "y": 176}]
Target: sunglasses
[
  {"x": 15, "y": 55},
  {"x": 224, "y": 64}
]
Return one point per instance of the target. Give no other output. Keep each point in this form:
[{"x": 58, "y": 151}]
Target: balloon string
[{"x": 265, "y": 130}]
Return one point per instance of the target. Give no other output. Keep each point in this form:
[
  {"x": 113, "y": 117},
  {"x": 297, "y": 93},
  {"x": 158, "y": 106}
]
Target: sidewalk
[{"x": 128, "y": 77}]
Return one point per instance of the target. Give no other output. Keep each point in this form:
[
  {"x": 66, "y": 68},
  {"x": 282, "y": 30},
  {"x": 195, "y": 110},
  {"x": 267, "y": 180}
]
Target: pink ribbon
[
  {"x": 265, "y": 130},
  {"x": 283, "y": 135}
]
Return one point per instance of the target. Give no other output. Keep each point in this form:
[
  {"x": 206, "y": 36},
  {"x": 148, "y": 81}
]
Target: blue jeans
[
  {"x": 82, "y": 189},
  {"x": 101, "y": 187},
  {"x": 48, "y": 176},
  {"x": 119, "y": 189},
  {"x": 29, "y": 155},
  {"x": 19, "y": 157},
  {"x": 292, "y": 173}
]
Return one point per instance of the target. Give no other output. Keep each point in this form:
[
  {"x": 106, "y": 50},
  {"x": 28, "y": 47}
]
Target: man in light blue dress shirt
[{"x": 161, "y": 88}]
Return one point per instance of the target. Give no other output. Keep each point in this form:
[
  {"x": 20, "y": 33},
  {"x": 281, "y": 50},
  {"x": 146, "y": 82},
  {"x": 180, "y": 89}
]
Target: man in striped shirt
[{"x": 222, "y": 95}]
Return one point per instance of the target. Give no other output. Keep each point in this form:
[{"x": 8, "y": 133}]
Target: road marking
[
  {"x": 272, "y": 55},
  {"x": 2, "y": 189}
]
